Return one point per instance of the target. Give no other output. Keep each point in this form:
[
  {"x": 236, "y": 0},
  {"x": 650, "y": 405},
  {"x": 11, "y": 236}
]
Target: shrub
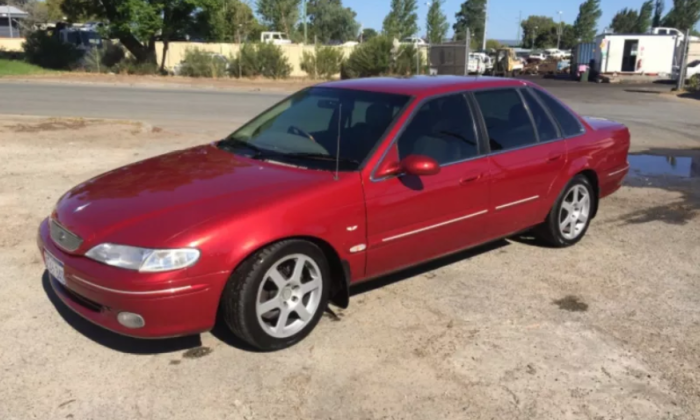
[
  {"x": 694, "y": 83},
  {"x": 325, "y": 62},
  {"x": 200, "y": 63},
  {"x": 245, "y": 64},
  {"x": 112, "y": 54},
  {"x": 265, "y": 60},
  {"x": 405, "y": 61},
  {"x": 46, "y": 51},
  {"x": 131, "y": 66},
  {"x": 372, "y": 58},
  {"x": 272, "y": 61}
]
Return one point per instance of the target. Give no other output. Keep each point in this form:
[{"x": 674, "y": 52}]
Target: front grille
[{"x": 64, "y": 238}]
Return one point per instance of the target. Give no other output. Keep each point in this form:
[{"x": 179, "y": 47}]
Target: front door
[
  {"x": 412, "y": 219},
  {"x": 526, "y": 157},
  {"x": 629, "y": 56}
]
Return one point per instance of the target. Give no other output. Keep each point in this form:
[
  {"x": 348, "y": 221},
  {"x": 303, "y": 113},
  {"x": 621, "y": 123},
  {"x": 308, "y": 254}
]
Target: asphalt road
[
  {"x": 215, "y": 113},
  {"x": 200, "y": 110}
]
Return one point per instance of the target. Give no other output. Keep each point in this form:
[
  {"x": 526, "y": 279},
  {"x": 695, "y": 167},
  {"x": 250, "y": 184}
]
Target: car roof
[{"x": 421, "y": 86}]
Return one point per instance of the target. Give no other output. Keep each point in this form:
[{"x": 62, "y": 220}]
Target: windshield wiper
[
  {"x": 320, "y": 156},
  {"x": 232, "y": 143}
]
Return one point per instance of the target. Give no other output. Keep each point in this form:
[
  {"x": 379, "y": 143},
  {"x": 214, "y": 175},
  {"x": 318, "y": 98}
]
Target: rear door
[
  {"x": 526, "y": 157},
  {"x": 412, "y": 219}
]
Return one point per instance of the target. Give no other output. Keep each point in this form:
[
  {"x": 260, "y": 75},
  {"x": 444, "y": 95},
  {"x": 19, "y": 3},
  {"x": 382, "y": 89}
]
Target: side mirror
[{"x": 420, "y": 165}]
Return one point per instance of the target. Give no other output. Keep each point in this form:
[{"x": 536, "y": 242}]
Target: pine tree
[
  {"x": 402, "y": 20},
  {"x": 645, "y": 15},
  {"x": 436, "y": 24},
  {"x": 658, "y": 13},
  {"x": 472, "y": 14},
  {"x": 587, "y": 20}
]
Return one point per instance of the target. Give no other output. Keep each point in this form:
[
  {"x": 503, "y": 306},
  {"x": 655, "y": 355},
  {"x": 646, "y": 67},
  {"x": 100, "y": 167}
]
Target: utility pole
[
  {"x": 680, "y": 83},
  {"x": 534, "y": 32},
  {"x": 486, "y": 19},
  {"x": 467, "y": 41},
  {"x": 9, "y": 19},
  {"x": 520, "y": 26},
  {"x": 560, "y": 29}
]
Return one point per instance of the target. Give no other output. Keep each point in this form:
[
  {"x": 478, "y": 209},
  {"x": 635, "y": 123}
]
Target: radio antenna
[{"x": 337, "y": 148}]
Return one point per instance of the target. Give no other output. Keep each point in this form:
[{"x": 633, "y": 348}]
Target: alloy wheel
[
  {"x": 289, "y": 295},
  {"x": 574, "y": 212}
]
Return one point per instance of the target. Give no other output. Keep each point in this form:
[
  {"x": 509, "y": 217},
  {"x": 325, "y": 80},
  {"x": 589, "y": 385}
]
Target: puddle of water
[{"x": 651, "y": 165}]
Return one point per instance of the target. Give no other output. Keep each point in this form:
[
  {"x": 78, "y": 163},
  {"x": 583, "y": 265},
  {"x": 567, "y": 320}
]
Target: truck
[
  {"x": 506, "y": 63},
  {"x": 277, "y": 38}
]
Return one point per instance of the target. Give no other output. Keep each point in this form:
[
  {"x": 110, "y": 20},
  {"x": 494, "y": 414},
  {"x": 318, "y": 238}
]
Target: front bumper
[{"x": 186, "y": 305}]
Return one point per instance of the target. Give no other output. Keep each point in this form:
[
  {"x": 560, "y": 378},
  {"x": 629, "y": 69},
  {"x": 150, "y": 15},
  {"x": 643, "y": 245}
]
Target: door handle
[
  {"x": 554, "y": 157},
  {"x": 470, "y": 178}
]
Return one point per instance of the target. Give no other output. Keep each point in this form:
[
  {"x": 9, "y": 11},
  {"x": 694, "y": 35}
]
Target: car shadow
[
  {"x": 112, "y": 340},
  {"x": 408, "y": 273}
]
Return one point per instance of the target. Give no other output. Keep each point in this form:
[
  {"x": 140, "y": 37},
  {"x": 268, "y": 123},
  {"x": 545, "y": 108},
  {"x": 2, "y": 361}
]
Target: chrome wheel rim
[
  {"x": 289, "y": 295},
  {"x": 574, "y": 212}
]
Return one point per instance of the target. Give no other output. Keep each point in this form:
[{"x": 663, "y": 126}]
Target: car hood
[{"x": 180, "y": 189}]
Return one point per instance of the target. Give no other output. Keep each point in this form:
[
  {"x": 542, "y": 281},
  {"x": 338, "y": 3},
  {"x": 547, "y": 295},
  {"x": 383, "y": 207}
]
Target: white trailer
[{"x": 636, "y": 54}]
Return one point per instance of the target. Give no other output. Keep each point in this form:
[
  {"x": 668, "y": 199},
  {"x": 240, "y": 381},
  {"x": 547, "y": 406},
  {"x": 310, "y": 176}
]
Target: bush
[
  {"x": 131, "y": 66},
  {"x": 265, "y": 60},
  {"x": 272, "y": 62},
  {"x": 694, "y": 83},
  {"x": 112, "y": 54},
  {"x": 48, "y": 52},
  {"x": 200, "y": 63},
  {"x": 405, "y": 61},
  {"x": 372, "y": 58},
  {"x": 325, "y": 62}
]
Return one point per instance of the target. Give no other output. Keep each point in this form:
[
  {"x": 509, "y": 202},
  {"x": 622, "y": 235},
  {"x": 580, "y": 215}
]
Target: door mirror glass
[{"x": 419, "y": 165}]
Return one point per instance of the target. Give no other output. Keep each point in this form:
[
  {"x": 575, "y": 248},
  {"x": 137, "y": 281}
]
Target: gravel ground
[{"x": 608, "y": 329}]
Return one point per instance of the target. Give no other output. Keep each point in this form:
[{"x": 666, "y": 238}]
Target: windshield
[{"x": 304, "y": 128}]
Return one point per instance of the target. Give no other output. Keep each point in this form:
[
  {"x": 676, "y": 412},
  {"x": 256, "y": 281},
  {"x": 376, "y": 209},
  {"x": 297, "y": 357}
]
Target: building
[
  {"x": 636, "y": 54},
  {"x": 10, "y": 18}
]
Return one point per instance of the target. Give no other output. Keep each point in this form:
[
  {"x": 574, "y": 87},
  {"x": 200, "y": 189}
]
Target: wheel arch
[
  {"x": 340, "y": 270},
  {"x": 592, "y": 177}
]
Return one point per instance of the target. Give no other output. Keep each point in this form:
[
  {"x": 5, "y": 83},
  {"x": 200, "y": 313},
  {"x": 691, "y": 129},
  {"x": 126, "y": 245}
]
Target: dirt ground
[{"x": 608, "y": 329}]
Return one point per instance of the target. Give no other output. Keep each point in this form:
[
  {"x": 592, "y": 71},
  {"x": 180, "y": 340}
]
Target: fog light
[{"x": 130, "y": 320}]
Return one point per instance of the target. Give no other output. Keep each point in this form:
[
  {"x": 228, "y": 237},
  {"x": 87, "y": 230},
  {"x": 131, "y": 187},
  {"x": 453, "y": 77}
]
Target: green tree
[
  {"x": 658, "y": 13},
  {"x": 279, "y": 15},
  {"x": 54, "y": 9},
  {"x": 368, "y": 33},
  {"x": 539, "y": 32},
  {"x": 492, "y": 44},
  {"x": 684, "y": 14},
  {"x": 137, "y": 23},
  {"x": 226, "y": 21},
  {"x": 436, "y": 25},
  {"x": 587, "y": 20},
  {"x": 645, "y": 16},
  {"x": 330, "y": 21},
  {"x": 471, "y": 14},
  {"x": 402, "y": 20},
  {"x": 568, "y": 37},
  {"x": 625, "y": 21}
]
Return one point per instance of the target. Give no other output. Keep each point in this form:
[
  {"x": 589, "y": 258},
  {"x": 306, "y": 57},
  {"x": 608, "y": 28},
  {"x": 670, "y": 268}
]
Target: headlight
[{"x": 143, "y": 259}]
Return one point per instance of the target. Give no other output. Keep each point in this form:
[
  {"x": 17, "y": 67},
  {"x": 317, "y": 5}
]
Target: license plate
[{"x": 55, "y": 267}]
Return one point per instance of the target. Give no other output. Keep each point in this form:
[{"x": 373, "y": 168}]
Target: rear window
[
  {"x": 570, "y": 124},
  {"x": 507, "y": 120}
]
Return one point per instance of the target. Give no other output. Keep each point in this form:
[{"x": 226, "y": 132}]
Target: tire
[
  {"x": 568, "y": 220},
  {"x": 266, "y": 304}
]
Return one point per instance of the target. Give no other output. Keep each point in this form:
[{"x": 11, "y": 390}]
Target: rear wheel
[
  {"x": 570, "y": 216},
  {"x": 276, "y": 297}
]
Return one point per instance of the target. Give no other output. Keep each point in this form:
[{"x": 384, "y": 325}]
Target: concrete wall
[
  {"x": 11, "y": 44},
  {"x": 176, "y": 53},
  {"x": 657, "y": 53}
]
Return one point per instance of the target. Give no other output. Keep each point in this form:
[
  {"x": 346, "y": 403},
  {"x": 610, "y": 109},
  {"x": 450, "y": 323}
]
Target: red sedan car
[{"x": 337, "y": 184}]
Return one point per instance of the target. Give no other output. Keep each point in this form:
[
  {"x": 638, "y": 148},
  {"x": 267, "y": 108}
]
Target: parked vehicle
[
  {"x": 476, "y": 64},
  {"x": 692, "y": 69},
  {"x": 338, "y": 184},
  {"x": 486, "y": 60},
  {"x": 536, "y": 56},
  {"x": 417, "y": 41},
  {"x": 506, "y": 63},
  {"x": 277, "y": 38}
]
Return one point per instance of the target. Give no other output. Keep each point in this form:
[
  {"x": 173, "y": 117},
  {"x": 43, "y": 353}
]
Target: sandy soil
[{"x": 608, "y": 329}]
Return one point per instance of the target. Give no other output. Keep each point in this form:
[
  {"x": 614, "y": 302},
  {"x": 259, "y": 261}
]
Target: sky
[{"x": 502, "y": 14}]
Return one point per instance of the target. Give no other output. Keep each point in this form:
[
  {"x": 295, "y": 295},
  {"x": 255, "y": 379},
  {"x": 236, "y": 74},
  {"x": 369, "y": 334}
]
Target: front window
[{"x": 306, "y": 128}]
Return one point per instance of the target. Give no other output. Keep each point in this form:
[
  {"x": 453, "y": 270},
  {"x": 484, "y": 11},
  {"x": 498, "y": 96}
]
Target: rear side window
[
  {"x": 545, "y": 127},
  {"x": 570, "y": 125},
  {"x": 507, "y": 120}
]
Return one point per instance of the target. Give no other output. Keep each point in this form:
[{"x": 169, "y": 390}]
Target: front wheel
[
  {"x": 570, "y": 216},
  {"x": 277, "y": 296}
]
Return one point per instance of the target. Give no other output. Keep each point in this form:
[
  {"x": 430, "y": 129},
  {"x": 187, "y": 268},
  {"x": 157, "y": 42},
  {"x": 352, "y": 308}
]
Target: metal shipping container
[{"x": 583, "y": 54}]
